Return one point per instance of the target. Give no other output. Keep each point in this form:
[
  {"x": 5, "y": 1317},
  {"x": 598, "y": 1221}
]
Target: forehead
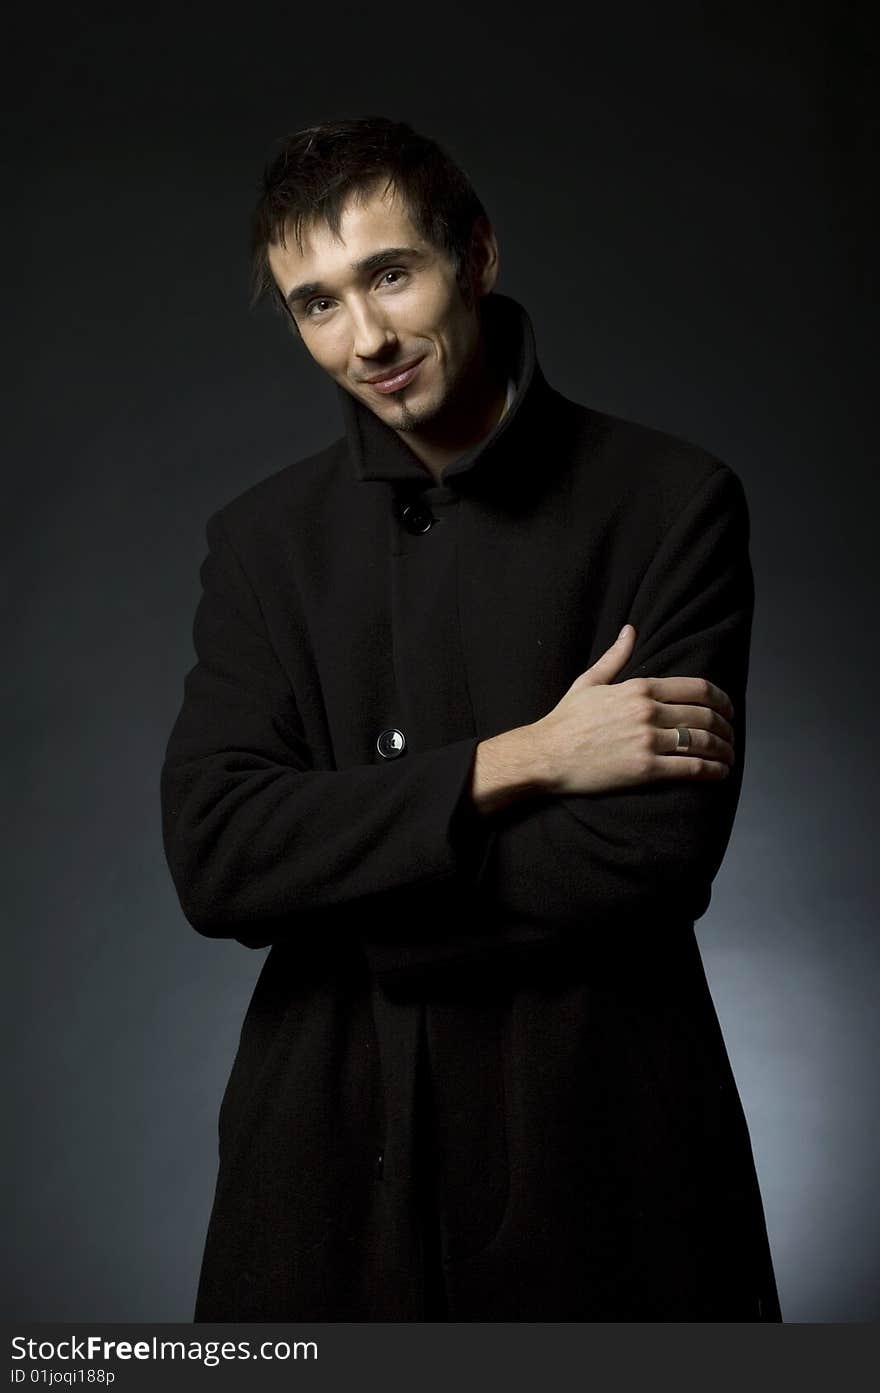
[{"x": 370, "y": 219}]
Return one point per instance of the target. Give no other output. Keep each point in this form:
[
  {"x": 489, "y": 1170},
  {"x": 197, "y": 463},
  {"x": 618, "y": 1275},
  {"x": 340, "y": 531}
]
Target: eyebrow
[{"x": 373, "y": 262}]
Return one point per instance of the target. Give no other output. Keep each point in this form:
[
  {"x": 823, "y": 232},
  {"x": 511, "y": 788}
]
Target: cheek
[
  {"x": 454, "y": 341},
  {"x": 330, "y": 353},
  {"x": 425, "y": 315}
]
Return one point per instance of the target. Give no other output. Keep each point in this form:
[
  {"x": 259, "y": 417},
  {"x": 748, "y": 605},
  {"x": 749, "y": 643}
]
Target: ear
[{"x": 483, "y": 257}]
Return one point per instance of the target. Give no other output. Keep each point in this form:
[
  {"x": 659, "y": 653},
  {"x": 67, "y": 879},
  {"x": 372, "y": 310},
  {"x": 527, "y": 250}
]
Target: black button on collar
[{"x": 391, "y": 743}]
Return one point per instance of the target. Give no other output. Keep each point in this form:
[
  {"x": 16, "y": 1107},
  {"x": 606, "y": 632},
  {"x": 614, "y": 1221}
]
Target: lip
[{"x": 400, "y": 378}]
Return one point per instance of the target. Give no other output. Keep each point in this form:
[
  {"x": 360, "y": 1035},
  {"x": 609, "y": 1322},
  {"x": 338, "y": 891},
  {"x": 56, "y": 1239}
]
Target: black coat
[{"x": 528, "y": 988}]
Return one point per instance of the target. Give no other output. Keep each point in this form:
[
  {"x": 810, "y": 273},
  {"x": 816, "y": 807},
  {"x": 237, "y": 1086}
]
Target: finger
[
  {"x": 696, "y": 691},
  {"x": 702, "y": 744},
  {"x": 695, "y": 718},
  {"x": 689, "y": 767},
  {"x": 613, "y": 659}
]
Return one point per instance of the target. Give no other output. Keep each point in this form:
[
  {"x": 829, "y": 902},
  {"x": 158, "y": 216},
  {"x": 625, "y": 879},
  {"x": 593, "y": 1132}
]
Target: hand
[{"x": 601, "y": 736}]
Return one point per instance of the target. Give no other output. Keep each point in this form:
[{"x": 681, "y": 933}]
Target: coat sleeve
[
  {"x": 258, "y": 842},
  {"x": 566, "y": 869}
]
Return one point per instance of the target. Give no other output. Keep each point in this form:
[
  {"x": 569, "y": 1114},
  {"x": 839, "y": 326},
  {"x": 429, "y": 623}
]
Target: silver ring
[{"x": 684, "y": 738}]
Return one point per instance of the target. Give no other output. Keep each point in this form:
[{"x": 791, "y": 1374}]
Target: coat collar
[{"x": 379, "y": 453}]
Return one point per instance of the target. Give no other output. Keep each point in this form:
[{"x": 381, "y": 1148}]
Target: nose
[{"x": 372, "y": 335}]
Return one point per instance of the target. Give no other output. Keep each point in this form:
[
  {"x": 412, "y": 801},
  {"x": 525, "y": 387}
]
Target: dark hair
[{"x": 317, "y": 169}]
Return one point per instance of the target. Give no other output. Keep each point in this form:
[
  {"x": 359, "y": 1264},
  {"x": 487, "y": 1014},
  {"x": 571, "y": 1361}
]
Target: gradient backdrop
[{"x": 681, "y": 197}]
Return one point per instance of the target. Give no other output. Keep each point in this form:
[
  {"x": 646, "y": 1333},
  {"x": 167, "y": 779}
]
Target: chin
[{"x": 417, "y": 417}]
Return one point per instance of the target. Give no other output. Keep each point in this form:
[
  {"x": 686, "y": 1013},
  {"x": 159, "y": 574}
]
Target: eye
[{"x": 310, "y": 313}]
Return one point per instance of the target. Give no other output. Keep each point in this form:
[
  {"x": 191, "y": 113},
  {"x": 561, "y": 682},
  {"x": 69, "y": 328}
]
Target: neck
[{"x": 471, "y": 414}]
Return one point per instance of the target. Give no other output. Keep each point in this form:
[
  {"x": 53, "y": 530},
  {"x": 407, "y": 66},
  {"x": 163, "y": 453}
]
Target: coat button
[
  {"x": 417, "y": 517},
  {"x": 380, "y": 1164},
  {"x": 391, "y": 743}
]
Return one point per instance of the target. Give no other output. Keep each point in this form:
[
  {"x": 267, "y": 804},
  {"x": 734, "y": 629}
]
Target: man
[{"x": 459, "y": 745}]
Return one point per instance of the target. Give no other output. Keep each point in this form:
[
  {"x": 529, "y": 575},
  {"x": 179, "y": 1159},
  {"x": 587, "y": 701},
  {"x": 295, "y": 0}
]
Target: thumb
[{"x": 613, "y": 659}]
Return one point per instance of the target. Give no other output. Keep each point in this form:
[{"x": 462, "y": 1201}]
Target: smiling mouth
[{"x": 397, "y": 380}]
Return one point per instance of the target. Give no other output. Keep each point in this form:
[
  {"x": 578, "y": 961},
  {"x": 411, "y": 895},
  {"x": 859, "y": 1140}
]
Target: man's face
[{"x": 377, "y": 302}]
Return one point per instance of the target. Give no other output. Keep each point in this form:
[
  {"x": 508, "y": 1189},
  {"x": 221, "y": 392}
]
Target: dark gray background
[{"x": 680, "y": 193}]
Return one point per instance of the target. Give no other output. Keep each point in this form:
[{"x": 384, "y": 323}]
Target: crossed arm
[{"x": 260, "y": 844}]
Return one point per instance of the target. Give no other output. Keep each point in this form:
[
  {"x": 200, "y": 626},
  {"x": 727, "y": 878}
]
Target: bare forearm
[{"x": 507, "y": 768}]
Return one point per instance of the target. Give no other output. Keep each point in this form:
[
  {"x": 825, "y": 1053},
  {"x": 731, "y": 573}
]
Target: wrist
[
  {"x": 509, "y": 767},
  {"x": 538, "y": 753}
]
